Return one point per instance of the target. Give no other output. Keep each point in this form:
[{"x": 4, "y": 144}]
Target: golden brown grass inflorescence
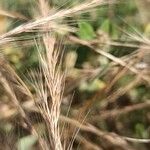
[{"x": 51, "y": 19}]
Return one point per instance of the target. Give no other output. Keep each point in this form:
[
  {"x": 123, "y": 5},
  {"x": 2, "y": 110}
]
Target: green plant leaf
[
  {"x": 141, "y": 131},
  {"x": 26, "y": 143},
  {"x": 105, "y": 26},
  {"x": 86, "y": 31}
]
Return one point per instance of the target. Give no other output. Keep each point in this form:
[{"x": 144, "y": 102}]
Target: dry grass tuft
[{"x": 50, "y": 79}]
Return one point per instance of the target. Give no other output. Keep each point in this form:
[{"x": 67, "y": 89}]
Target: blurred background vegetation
[{"x": 118, "y": 99}]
